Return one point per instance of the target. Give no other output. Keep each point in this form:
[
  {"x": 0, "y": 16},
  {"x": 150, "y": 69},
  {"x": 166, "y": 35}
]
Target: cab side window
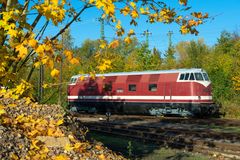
[
  {"x": 107, "y": 86},
  {"x": 132, "y": 87},
  {"x": 152, "y": 87}
]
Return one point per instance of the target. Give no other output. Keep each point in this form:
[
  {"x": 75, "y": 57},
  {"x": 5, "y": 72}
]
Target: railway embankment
[{"x": 35, "y": 132}]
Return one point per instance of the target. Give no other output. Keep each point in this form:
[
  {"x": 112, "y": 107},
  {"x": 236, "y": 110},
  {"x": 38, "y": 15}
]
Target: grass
[
  {"x": 231, "y": 109},
  {"x": 143, "y": 151}
]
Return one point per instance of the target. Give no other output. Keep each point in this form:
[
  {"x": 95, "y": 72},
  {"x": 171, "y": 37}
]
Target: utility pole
[
  {"x": 40, "y": 83},
  {"x": 101, "y": 20},
  {"x": 169, "y": 34},
  {"x": 170, "y": 59},
  {"x": 147, "y": 33}
]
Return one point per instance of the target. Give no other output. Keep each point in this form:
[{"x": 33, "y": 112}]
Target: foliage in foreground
[{"x": 37, "y": 132}]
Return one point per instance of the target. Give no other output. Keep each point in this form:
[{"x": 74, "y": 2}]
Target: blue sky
[{"x": 225, "y": 12}]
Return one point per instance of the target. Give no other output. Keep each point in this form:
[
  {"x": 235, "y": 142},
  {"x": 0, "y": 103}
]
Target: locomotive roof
[{"x": 144, "y": 72}]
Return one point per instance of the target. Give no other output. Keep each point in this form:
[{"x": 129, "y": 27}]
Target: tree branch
[
  {"x": 67, "y": 25},
  {"x": 36, "y": 21},
  {"x": 40, "y": 33}
]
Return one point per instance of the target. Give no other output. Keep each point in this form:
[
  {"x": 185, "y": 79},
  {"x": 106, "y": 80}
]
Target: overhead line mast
[
  {"x": 102, "y": 35},
  {"x": 169, "y": 34},
  {"x": 147, "y": 33}
]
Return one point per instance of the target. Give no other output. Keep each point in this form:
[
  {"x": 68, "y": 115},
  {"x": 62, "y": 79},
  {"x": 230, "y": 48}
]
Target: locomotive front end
[{"x": 200, "y": 91}]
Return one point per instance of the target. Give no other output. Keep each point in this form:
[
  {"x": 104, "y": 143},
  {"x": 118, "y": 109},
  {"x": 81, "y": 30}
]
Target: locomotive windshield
[
  {"x": 199, "y": 76},
  {"x": 73, "y": 80}
]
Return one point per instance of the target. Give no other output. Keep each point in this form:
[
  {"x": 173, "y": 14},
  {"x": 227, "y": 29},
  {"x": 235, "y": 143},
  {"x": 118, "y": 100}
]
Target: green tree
[
  {"x": 143, "y": 59},
  {"x": 170, "y": 60},
  {"x": 191, "y": 54}
]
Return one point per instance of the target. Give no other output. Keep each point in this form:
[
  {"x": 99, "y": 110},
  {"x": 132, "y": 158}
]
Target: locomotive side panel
[{"x": 148, "y": 93}]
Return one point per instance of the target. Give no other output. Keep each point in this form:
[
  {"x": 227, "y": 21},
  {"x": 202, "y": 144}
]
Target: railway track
[
  {"x": 181, "y": 120},
  {"x": 174, "y": 133}
]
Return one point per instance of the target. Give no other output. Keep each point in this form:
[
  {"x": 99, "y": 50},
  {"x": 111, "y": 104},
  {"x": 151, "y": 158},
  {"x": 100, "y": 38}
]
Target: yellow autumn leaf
[
  {"x": 74, "y": 61},
  {"x": 50, "y": 131},
  {"x": 184, "y": 30},
  {"x": 118, "y": 26},
  {"x": 198, "y": 15},
  {"x": 37, "y": 64},
  {"x": 109, "y": 8},
  {"x": 45, "y": 85},
  {"x": 81, "y": 78},
  {"x": 92, "y": 75},
  {"x": 183, "y": 2},
  {"x": 131, "y": 32},
  {"x": 40, "y": 49},
  {"x": 192, "y": 22},
  {"x": 103, "y": 44},
  {"x": 55, "y": 2},
  {"x": 28, "y": 100},
  {"x": 61, "y": 157},
  {"x": 134, "y": 14},
  {"x": 12, "y": 105},
  {"x": 99, "y": 4},
  {"x": 101, "y": 157},
  {"x": 58, "y": 132},
  {"x": 50, "y": 63},
  {"x": 71, "y": 137},
  {"x": 68, "y": 147},
  {"x": 22, "y": 51},
  {"x": 105, "y": 65},
  {"x": 32, "y": 43},
  {"x": 55, "y": 72},
  {"x": 44, "y": 60},
  {"x": 68, "y": 54},
  {"x": 133, "y": 4},
  {"x": 2, "y": 111},
  {"x": 59, "y": 122},
  {"x": 77, "y": 145},
  {"x": 91, "y": 1},
  {"x": 125, "y": 11},
  {"x": 114, "y": 44},
  {"x": 12, "y": 33},
  {"x": 20, "y": 117},
  {"x": 13, "y": 156},
  {"x": 35, "y": 144},
  {"x": 128, "y": 40},
  {"x": 98, "y": 147},
  {"x": 2, "y": 107},
  {"x": 142, "y": 10},
  {"x": 33, "y": 133}
]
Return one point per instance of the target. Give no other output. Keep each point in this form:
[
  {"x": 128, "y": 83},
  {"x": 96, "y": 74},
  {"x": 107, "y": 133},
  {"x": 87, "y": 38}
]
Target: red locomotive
[{"x": 185, "y": 92}]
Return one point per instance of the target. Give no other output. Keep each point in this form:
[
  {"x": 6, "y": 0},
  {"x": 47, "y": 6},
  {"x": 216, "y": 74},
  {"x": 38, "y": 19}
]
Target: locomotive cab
[{"x": 201, "y": 91}]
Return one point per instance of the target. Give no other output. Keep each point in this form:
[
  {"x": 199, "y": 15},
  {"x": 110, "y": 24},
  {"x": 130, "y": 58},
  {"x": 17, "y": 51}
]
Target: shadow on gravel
[
  {"x": 138, "y": 150},
  {"x": 181, "y": 134}
]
